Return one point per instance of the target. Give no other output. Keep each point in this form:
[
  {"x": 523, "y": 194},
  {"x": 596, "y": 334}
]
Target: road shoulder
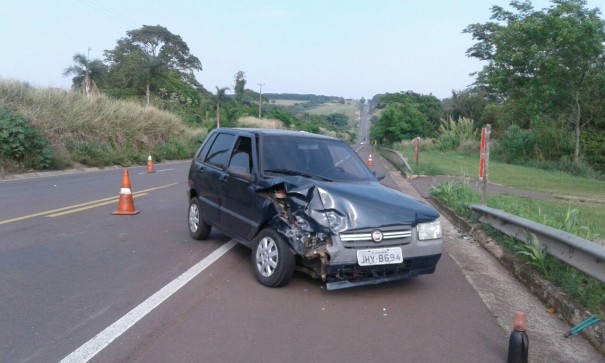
[{"x": 503, "y": 295}]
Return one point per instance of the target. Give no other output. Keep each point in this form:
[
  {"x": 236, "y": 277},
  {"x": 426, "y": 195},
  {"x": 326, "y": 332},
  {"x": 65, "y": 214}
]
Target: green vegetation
[
  {"x": 541, "y": 90},
  {"x": 21, "y": 143},
  {"x": 404, "y": 115},
  {"x": 464, "y": 164},
  {"x": 94, "y": 131},
  {"x": 579, "y": 219}
]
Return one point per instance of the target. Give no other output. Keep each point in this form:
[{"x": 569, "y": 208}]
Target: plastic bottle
[{"x": 518, "y": 343}]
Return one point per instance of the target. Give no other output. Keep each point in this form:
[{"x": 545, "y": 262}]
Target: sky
[{"x": 344, "y": 48}]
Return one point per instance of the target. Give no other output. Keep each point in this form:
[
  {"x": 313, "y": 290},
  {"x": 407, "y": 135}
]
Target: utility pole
[{"x": 260, "y": 98}]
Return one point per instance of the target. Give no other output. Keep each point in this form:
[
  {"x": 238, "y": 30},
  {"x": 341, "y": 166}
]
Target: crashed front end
[{"x": 355, "y": 234}]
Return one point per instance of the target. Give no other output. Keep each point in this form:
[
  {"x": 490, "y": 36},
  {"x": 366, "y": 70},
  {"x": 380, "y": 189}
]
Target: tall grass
[
  {"x": 96, "y": 130},
  {"x": 457, "y": 135}
]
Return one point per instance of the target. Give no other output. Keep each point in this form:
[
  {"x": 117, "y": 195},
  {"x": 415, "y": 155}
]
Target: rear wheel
[
  {"x": 272, "y": 260},
  {"x": 198, "y": 228}
]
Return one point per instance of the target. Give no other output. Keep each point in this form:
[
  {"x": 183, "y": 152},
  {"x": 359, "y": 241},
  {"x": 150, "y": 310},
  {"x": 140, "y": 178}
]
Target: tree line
[
  {"x": 156, "y": 66},
  {"x": 542, "y": 87}
]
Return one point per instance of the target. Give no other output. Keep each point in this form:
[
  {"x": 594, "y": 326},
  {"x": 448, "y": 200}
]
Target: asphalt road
[{"x": 78, "y": 282}]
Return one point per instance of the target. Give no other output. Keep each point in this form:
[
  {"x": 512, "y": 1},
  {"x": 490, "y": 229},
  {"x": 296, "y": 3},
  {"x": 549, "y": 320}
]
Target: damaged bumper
[{"x": 344, "y": 276}]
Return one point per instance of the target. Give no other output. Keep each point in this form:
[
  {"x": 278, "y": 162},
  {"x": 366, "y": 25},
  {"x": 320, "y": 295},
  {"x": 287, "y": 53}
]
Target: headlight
[
  {"x": 335, "y": 220},
  {"x": 430, "y": 230}
]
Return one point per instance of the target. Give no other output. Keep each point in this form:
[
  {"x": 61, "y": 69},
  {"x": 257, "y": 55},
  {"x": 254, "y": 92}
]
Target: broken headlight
[
  {"x": 430, "y": 230},
  {"x": 335, "y": 220}
]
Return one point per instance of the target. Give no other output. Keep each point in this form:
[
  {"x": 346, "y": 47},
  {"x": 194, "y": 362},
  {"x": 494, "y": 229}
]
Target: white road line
[
  {"x": 157, "y": 171},
  {"x": 91, "y": 348}
]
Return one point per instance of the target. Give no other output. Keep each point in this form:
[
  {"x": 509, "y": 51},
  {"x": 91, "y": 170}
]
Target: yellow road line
[
  {"x": 78, "y": 207},
  {"x": 90, "y": 206}
]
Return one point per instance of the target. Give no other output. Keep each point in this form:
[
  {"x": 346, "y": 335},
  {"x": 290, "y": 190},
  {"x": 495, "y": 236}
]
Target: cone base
[{"x": 126, "y": 213}]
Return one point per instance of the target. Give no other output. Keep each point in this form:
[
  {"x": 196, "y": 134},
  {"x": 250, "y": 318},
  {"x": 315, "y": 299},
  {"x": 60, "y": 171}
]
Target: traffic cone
[
  {"x": 150, "y": 168},
  {"x": 370, "y": 162},
  {"x": 126, "y": 202},
  {"x": 518, "y": 343}
]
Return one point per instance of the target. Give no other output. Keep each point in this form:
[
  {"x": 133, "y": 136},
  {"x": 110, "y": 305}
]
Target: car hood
[{"x": 359, "y": 205}]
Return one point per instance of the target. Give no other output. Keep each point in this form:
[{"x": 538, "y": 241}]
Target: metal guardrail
[
  {"x": 404, "y": 161},
  {"x": 582, "y": 254}
]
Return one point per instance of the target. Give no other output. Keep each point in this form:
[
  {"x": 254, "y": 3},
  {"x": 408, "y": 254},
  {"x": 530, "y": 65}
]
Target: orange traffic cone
[
  {"x": 370, "y": 162},
  {"x": 150, "y": 168},
  {"x": 126, "y": 202}
]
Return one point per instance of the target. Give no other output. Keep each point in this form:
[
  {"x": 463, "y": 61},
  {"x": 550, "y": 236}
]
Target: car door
[
  {"x": 210, "y": 173},
  {"x": 241, "y": 205}
]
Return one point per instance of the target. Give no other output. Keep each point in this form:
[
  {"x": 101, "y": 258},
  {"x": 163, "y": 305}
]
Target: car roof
[{"x": 278, "y": 132}]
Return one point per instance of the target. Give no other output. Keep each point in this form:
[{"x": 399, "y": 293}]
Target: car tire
[
  {"x": 198, "y": 228},
  {"x": 272, "y": 259}
]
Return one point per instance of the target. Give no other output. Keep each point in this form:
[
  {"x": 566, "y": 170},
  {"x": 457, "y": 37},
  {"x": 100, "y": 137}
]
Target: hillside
[{"x": 50, "y": 128}]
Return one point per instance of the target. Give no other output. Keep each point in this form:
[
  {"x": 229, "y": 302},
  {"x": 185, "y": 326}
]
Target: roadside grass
[
  {"x": 432, "y": 162},
  {"x": 98, "y": 130},
  {"x": 585, "y": 222}
]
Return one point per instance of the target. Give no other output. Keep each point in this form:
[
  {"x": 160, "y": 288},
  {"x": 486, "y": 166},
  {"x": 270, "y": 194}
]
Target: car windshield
[{"x": 316, "y": 158}]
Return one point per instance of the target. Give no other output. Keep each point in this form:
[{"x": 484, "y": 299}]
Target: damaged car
[{"x": 307, "y": 202}]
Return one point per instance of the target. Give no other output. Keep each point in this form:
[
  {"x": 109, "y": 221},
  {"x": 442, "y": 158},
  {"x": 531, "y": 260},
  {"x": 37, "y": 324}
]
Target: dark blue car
[{"x": 308, "y": 202}]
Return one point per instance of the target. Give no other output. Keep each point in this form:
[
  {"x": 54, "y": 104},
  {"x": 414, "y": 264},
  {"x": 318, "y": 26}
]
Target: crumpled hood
[
  {"x": 370, "y": 205},
  {"x": 360, "y": 204}
]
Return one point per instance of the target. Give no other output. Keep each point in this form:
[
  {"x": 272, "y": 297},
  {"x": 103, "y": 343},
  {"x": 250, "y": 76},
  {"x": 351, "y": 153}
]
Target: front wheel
[
  {"x": 272, "y": 260},
  {"x": 198, "y": 228}
]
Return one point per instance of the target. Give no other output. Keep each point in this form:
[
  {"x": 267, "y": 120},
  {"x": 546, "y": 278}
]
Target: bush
[
  {"x": 516, "y": 145},
  {"x": 592, "y": 145},
  {"x": 21, "y": 144},
  {"x": 177, "y": 150},
  {"x": 461, "y": 135}
]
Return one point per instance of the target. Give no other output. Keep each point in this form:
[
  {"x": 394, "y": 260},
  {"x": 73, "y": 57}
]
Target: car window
[
  {"x": 219, "y": 152},
  {"x": 331, "y": 159},
  {"x": 242, "y": 155},
  {"x": 204, "y": 150}
]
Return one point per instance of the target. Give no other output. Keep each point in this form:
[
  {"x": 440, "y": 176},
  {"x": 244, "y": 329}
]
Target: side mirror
[{"x": 379, "y": 174}]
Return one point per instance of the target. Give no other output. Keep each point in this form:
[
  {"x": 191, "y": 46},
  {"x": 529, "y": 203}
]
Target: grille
[{"x": 391, "y": 236}]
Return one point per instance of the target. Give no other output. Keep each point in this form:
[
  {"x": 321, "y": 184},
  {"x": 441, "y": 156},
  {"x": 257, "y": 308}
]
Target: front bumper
[{"x": 340, "y": 276}]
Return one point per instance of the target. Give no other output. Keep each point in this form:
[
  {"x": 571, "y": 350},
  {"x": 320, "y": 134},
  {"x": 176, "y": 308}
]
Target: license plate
[{"x": 379, "y": 256}]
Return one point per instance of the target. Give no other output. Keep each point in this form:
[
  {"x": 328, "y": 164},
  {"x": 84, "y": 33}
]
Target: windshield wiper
[{"x": 297, "y": 173}]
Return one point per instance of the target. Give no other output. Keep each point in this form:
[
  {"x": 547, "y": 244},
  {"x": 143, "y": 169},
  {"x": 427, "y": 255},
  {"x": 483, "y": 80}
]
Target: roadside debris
[{"x": 583, "y": 325}]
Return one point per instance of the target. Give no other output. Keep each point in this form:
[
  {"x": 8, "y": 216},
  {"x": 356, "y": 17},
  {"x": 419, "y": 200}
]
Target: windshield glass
[{"x": 312, "y": 157}]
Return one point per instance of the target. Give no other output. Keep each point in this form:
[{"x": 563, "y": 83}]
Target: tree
[
  {"x": 337, "y": 119},
  {"x": 429, "y": 106},
  {"x": 466, "y": 104},
  {"x": 240, "y": 86},
  {"x": 87, "y": 73},
  {"x": 399, "y": 121},
  {"x": 542, "y": 60},
  {"x": 220, "y": 97},
  {"x": 149, "y": 54}
]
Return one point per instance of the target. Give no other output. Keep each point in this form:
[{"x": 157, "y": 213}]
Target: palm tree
[
  {"x": 220, "y": 96},
  {"x": 86, "y": 73},
  {"x": 152, "y": 69}
]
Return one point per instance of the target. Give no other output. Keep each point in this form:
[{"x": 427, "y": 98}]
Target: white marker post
[{"x": 484, "y": 161}]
